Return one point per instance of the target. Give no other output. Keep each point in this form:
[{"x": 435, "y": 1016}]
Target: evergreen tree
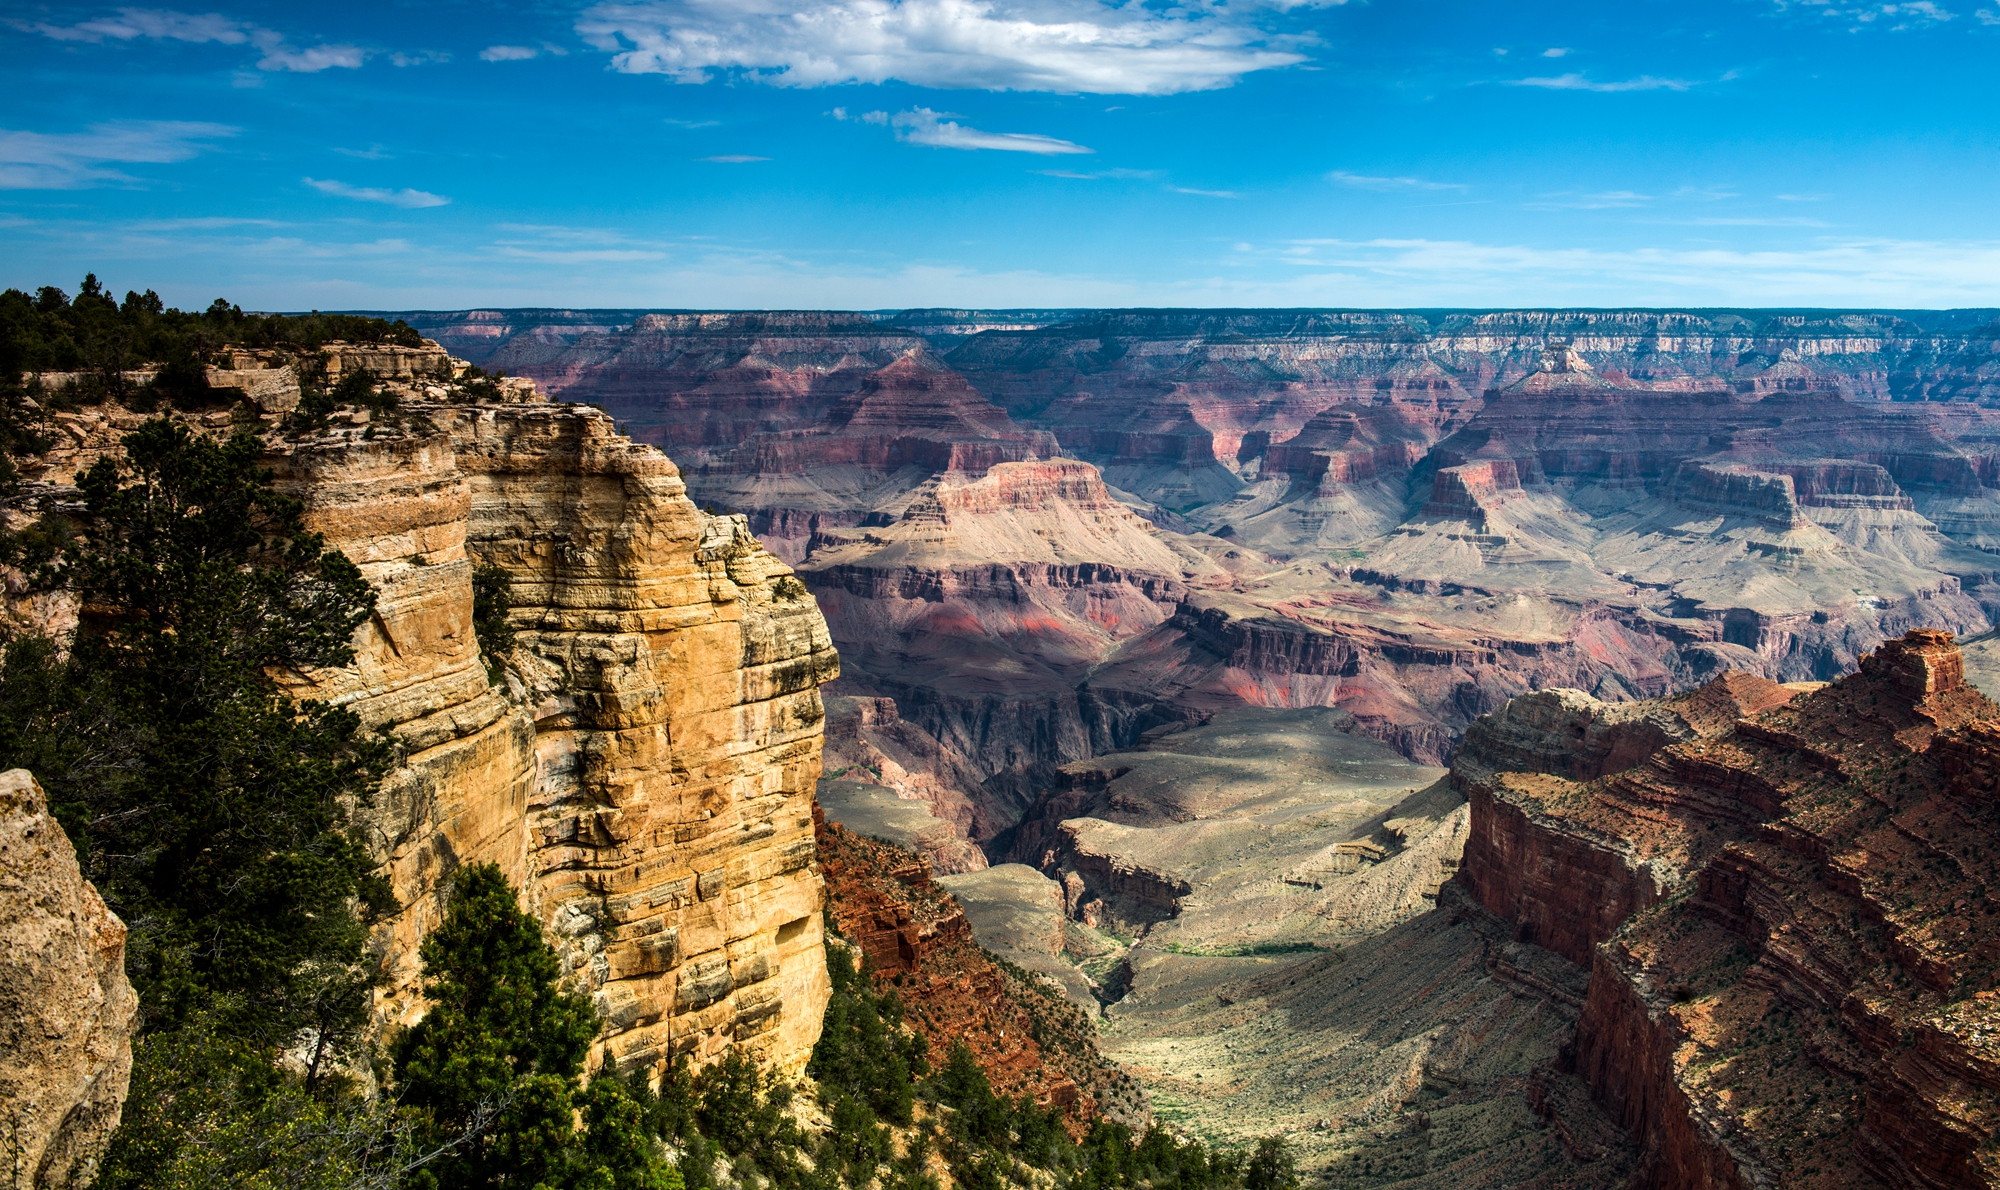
[
  {"x": 491, "y": 1071},
  {"x": 209, "y": 807}
]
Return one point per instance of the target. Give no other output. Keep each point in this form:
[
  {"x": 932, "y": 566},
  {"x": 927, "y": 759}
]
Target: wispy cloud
[
  {"x": 160, "y": 24},
  {"x": 1204, "y": 193},
  {"x": 1602, "y": 200},
  {"x": 75, "y": 160},
  {"x": 926, "y": 127},
  {"x": 1557, "y": 51},
  {"x": 1915, "y": 14},
  {"x": 396, "y": 198},
  {"x": 1066, "y": 46},
  {"x": 1371, "y": 182},
  {"x": 1578, "y": 82},
  {"x": 735, "y": 158},
  {"x": 1099, "y": 174},
  {"x": 840, "y": 113},
  {"x": 508, "y": 53}
]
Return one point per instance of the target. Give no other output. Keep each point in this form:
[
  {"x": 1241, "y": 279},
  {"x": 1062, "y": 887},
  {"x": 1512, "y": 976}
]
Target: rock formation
[
  {"x": 641, "y": 764},
  {"x": 67, "y": 1013},
  {"x": 915, "y": 937},
  {"x": 1792, "y": 963}
]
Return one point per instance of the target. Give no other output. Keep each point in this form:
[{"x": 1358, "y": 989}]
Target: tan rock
[
  {"x": 66, "y": 1011},
  {"x": 643, "y": 769}
]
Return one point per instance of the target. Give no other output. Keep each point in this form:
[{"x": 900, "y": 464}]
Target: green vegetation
[
  {"x": 209, "y": 807},
  {"x": 1250, "y": 950},
  {"x": 93, "y": 333},
  {"x": 492, "y": 599},
  {"x": 490, "y": 1075}
]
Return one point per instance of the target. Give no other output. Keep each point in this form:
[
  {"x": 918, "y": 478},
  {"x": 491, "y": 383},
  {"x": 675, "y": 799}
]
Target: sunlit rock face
[
  {"x": 641, "y": 764},
  {"x": 1781, "y": 895},
  {"x": 67, "y": 1012}
]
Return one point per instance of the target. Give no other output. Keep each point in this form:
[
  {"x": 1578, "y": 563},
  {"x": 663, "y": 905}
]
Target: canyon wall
[
  {"x": 643, "y": 763},
  {"x": 640, "y": 763},
  {"x": 1792, "y": 952},
  {"x": 67, "y": 1012}
]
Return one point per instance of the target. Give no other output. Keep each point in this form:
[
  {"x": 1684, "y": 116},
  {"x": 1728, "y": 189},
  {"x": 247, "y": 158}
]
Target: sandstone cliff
[
  {"x": 1792, "y": 967},
  {"x": 66, "y": 1011},
  {"x": 641, "y": 764}
]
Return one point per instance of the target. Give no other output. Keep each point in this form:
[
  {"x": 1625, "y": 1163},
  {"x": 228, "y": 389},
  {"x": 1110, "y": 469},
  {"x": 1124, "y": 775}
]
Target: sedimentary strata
[
  {"x": 641, "y": 763},
  {"x": 1792, "y": 960}
]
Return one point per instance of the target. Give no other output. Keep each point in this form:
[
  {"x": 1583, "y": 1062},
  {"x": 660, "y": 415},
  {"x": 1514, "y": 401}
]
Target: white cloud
[
  {"x": 1556, "y": 51},
  {"x": 1367, "y": 182},
  {"x": 1578, "y": 82},
  {"x": 1915, "y": 14},
  {"x": 1988, "y": 16},
  {"x": 1602, "y": 200},
  {"x": 926, "y": 127},
  {"x": 735, "y": 158},
  {"x": 394, "y": 198},
  {"x": 1064, "y": 46},
  {"x": 508, "y": 53},
  {"x": 1204, "y": 193},
  {"x": 162, "y": 24},
  {"x": 73, "y": 160},
  {"x": 278, "y": 55}
]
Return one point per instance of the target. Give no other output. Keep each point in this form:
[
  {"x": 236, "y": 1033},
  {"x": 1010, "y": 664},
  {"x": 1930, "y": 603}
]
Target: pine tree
[
  {"x": 210, "y": 808},
  {"x": 491, "y": 1071}
]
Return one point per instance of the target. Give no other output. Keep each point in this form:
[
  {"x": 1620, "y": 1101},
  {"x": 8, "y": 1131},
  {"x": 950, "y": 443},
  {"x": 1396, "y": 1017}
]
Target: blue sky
[{"x": 886, "y": 153}]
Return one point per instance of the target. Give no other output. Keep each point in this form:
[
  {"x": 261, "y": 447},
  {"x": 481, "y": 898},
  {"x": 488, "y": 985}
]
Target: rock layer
[
  {"x": 67, "y": 1013},
  {"x": 640, "y": 765},
  {"x": 1803, "y": 991},
  {"x": 646, "y": 769}
]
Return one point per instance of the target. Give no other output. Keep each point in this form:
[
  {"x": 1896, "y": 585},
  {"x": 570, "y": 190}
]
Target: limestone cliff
[
  {"x": 646, "y": 770},
  {"x": 641, "y": 764}
]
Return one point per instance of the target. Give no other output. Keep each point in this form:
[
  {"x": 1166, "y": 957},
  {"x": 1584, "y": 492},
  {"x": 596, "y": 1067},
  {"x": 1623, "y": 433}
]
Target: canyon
[
  {"x": 1043, "y": 533},
  {"x": 1483, "y": 748}
]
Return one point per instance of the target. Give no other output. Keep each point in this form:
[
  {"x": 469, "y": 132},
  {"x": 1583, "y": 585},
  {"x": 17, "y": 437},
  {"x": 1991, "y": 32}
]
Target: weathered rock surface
[
  {"x": 647, "y": 769},
  {"x": 641, "y": 764},
  {"x": 1791, "y": 965},
  {"x": 67, "y": 1013},
  {"x": 1028, "y": 1038}
]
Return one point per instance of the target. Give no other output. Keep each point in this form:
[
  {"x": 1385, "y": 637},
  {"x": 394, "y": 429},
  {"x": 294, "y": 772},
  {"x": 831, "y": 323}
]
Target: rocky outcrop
[
  {"x": 645, "y": 766},
  {"x": 641, "y": 764},
  {"x": 918, "y": 944},
  {"x": 982, "y": 608},
  {"x": 67, "y": 1014},
  {"x": 1800, "y": 990}
]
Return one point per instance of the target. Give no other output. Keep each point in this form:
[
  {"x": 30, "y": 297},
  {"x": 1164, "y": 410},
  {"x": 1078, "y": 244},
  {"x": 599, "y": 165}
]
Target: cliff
[
  {"x": 641, "y": 764},
  {"x": 67, "y": 1013},
  {"x": 1792, "y": 967}
]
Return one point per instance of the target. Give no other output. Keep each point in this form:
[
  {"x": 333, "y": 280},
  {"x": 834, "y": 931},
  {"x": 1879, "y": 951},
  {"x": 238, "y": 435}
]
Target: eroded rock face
[
  {"x": 67, "y": 1013},
  {"x": 1800, "y": 991},
  {"x": 641, "y": 765},
  {"x": 644, "y": 766}
]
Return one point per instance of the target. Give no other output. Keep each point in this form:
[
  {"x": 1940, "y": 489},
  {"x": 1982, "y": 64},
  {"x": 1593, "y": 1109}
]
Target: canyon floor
[{"x": 1317, "y": 978}]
